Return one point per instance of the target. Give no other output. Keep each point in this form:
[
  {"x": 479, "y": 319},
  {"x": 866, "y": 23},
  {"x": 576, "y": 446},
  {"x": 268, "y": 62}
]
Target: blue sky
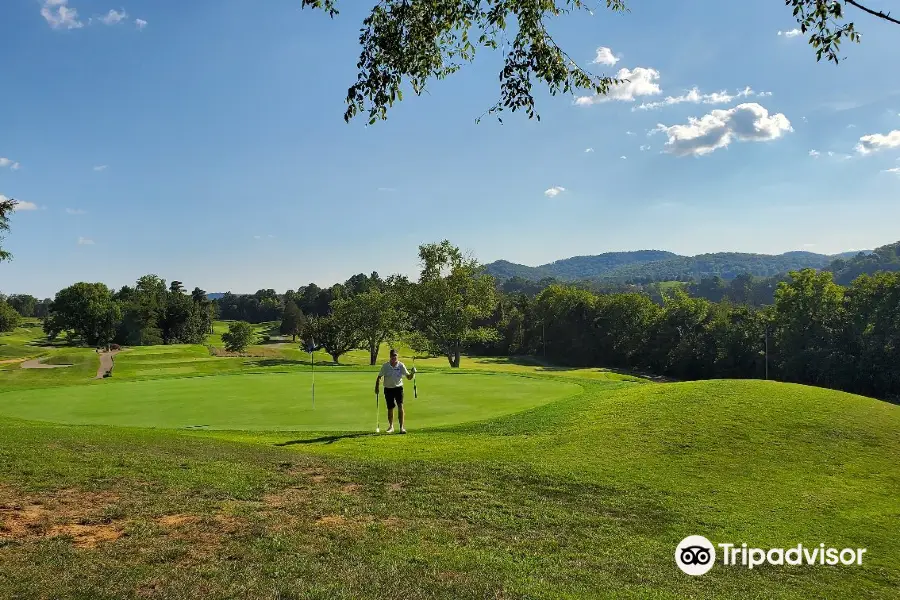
[{"x": 205, "y": 143}]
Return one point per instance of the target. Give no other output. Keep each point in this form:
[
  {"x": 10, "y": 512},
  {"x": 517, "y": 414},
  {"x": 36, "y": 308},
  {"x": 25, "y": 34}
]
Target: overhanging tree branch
[{"x": 877, "y": 13}]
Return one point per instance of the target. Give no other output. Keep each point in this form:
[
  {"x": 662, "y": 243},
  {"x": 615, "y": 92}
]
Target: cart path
[{"x": 106, "y": 362}]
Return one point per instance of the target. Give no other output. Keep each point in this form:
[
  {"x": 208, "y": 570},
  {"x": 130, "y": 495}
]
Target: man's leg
[
  {"x": 389, "y": 398},
  {"x": 400, "y": 409}
]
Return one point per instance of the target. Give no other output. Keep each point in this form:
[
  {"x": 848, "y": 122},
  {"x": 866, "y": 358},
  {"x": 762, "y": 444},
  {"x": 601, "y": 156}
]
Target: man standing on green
[{"x": 393, "y": 373}]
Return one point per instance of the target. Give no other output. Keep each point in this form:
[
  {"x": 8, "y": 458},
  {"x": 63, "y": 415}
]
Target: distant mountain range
[{"x": 644, "y": 266}]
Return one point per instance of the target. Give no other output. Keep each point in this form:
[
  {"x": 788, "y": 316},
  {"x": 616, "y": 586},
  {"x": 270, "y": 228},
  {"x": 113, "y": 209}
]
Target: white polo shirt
[{"x": 393, "y": 376}]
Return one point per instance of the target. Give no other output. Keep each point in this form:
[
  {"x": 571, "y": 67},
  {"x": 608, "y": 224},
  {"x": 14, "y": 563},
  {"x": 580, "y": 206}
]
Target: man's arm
[{"x": 409, "y": 374}]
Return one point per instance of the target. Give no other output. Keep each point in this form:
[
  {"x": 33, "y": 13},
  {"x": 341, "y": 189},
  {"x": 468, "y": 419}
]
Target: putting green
[{"x": 344, "y": 401}]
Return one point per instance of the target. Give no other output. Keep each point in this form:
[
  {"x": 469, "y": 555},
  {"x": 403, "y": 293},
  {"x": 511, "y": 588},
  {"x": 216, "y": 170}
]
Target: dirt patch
[
  {"x": 12, "y": 361},
  {"x": 87, "y": 536},
  {"x": 35, "y": 363},
  {"x": 72, "y": 513},
  {"x": 177, "y": 520},
  {"x": 350, "y": 488},
  {"x": 288, "y": 497},
  {"x": 395, "y": 487}
]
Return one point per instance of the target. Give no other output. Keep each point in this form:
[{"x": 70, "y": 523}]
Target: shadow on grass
[{"x": 328, "y": 439}]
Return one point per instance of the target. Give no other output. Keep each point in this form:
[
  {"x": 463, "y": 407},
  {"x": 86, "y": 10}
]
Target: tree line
[
  {"x": 148, "y": 313},
  {"x": 816, "y": 331}
]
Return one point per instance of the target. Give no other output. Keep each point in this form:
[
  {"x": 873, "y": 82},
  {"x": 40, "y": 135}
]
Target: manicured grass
[
  {"x": 581, "y": 492},
  {"x": 21, "y": 341},
  {"x": 585, "y": 497},
  {"x": 344, "y": 401}
]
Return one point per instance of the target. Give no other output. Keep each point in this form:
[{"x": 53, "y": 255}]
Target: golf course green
[{"x": 344, "y": 401}]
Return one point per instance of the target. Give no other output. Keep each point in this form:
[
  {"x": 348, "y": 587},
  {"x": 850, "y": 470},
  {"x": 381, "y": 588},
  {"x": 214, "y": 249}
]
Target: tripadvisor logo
[{"x": 696, "y": 555}]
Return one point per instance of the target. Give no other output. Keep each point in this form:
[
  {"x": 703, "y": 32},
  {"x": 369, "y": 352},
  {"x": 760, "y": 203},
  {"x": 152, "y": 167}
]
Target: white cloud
[
  {"x": 629, "y": 133},
  {"x": 83, "y": 241},
  {"x": 804, "y": 119},
  {"x": 895, "y": 170},
  {"x": 790, "y": 34},
  {"x": 140, "y": 23},
  {"x": 22, "y": 205},
  {"x": 74, "y": 211},
  {"x": 851, "y": 126},
  {"x": 641, "y": 82},
  {"x": 645, "y": 148},
  {"x": 58, "y": 15},
  {"x": 605, "y": 57},
  {"x": 101, "y": 167},
  {"x": 814, "y": 153},
  {"x": 695, "y": 97},
  {"x": 554, "y": 191},
  {"x": 256, "y": 237},
  {"x": 8, "y": 162},
  {"x": 764, "y": 94},
  {"x": 745, "y": 122},
  {"x": 588, "y": 149},
  {"x": 113, "y": 17},
  {"x": 876, "y": 141}
]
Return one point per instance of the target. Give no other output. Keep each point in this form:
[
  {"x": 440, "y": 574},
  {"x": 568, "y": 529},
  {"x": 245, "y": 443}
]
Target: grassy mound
[{"x": 585, "y": 497}]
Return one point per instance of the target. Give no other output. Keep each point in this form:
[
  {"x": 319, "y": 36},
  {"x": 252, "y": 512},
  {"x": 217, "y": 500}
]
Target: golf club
[
  {"x": 415, "y": 389},
  {"x": 377, "y": 414}
]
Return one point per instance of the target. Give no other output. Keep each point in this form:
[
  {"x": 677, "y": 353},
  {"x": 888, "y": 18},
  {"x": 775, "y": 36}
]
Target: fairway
[{"x": 344, "y": 401}]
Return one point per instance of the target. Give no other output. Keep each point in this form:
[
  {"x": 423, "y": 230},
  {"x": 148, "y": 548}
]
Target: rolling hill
[{"x": 659, "y": 265}]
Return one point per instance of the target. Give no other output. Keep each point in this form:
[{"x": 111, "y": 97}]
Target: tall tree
[
  {"x": 86, "y": 312},
  {"x": 337, "y": 333},
  {"x": 292, "y": 321},
  {"x": 809, "y": 315},
  {"x": 416, "y": 41},
  {"x": 451, "y": 295},
  {"x": 9, "y": 317},
  {"x": 377, "y": 316}
]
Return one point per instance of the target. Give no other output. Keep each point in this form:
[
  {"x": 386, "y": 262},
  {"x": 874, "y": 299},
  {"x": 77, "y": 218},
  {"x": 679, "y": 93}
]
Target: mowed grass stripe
[{"x": 344, "y": 401}]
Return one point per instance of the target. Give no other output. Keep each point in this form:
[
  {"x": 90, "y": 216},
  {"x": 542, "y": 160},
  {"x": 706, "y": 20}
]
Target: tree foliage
[
  {"x": 292, "y": 320},
  {"x": 85, "y": 312},
  {"x": 452, "y": 294},
  {"x": 25, "y": 304},
  {"x": 377, "y": 316},
  {"x": 416, "y": 41},
  {"x": 9, "y": 317},
  {"x": 7, "y": 206},
  {"x": 337, "y": 333},
  {"x": 239, "y": 335}
]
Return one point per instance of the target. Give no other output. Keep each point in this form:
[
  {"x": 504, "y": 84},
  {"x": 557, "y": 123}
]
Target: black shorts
[{"x": 393, "y": 396}]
